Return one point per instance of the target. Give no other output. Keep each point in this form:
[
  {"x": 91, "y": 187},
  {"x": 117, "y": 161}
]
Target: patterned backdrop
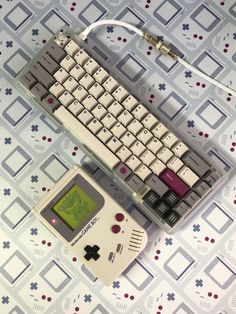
[{"x": 192, "y": 271}]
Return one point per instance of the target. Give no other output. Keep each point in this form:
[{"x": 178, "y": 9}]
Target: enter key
[{"x": 174, "y": 182}]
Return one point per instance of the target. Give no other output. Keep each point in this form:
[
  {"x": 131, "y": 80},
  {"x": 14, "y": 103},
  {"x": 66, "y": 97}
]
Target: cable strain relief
[{"x": 82, "y": 36}]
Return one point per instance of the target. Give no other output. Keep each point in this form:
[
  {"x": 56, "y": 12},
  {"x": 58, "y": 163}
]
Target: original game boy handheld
[{"x": 83, "y": 215}]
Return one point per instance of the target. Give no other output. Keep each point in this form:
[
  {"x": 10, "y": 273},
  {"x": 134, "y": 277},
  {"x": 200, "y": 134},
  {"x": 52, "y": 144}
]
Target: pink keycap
[{"x": 174, "y": 182}]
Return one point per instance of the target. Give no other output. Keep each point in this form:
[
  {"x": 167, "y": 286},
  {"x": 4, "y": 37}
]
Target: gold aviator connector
[{"x": 160, "y": 45}]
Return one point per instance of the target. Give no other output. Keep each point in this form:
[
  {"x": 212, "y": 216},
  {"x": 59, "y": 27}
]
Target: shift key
[
  {"x": 196, "y": 163},
  {"x": 174, "y": 182}
]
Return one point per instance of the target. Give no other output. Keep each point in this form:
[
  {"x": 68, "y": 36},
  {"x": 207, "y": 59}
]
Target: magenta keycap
[{"x": 174, "y": 182}]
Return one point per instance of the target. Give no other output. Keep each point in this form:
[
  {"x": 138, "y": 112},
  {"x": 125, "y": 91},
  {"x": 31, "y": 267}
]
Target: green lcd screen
[{"x": 74, "y": 207}]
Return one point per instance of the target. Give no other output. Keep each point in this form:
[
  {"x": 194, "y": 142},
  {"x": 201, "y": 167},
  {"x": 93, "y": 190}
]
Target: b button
[{"x": 115, "y": 228}]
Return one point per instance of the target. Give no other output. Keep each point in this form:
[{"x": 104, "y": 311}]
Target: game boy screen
[{"x": 74, "y": 207}]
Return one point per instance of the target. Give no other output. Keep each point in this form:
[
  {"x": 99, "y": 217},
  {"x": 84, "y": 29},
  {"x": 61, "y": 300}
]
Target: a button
[
  {"x": 91, "y": 252},
  {"x": 119, "y": 217},
  {"x": 115, "y": 228}
]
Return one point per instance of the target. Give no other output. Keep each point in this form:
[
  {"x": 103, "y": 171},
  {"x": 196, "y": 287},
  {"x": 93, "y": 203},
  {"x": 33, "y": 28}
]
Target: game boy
[{"x": 98, "y": 230}]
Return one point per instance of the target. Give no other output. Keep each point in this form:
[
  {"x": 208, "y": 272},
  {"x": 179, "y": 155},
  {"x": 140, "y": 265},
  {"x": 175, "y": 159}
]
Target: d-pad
[{"x": 91, "y": 252}]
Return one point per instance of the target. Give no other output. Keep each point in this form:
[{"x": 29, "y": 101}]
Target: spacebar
[{"x": 86, "y": 137}]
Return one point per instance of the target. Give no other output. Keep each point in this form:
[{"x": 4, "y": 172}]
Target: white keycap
[
  {"x": 144, "y": 136},
  {"x": 68, "y": 63},
  {"x": 114, "y": 144},
  {"x": 137, "y": 148},
  {"x": 149, "y": 121},
  {"x": 128, "y": 139},
  {"x": 169, "y": 139},
  {"x": 147, "y": 157},
  {"x": 99, "y": 111},
  {"x": 62, "y": 43},
  {"x": 140, "y": 112},
  {"x": 108, "y": 121},
  {"x": 120, "y": 93},
  {"x": 123, "y": 153},
  {"x": 86, "y": 137},
  {"x": 76, "y": 107},
  {"x": 135, "y": 126},
  {"x": 87, "y": 81},
  {"x": 77, "y": 72},
  {"x": 180, "y": 149},
  {"x": 175, "y": 164},
  {"x": 154, "y": 145},
  {"x": 118, "y": 130},
  {"x": 56, "y": 89},
  {"x": 157, "y": 166},
  {"x": 61, "y": 75},
  {"x": 125, "y": 117},
  {"x": 188, "y": 176},
  {"x": 80, "y": 93},
  {"x": 91, "y": 66},
  {"x": 164, "y": 154},
  {"x": 66, "y": 99},
  {"x": 81, "y": 57},
  {"x": 71, "y": 48},
  {"x": 143, "y": 172},
  {"x": 130, "y": 103},
  {"x": 70, "y": 84},
  {"x": 133, "y": 162},
  {"x": 94, "y": 126},
  {"x": 100, "y": 75},
  {"x": 96, "y": 90},
  {"x": 85, "y": 116},
  {"x": 89, "y": 102},
  {"x": 106, "y": 99},
  {"x": 110, "y": 84},
  {"x": 115, "y": 108},
  {"x": 159, "y": 130},
  {"x": 104, "y": 135}
]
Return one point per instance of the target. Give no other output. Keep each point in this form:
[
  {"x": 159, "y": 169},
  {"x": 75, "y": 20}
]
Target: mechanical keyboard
[{"x": 163, "y": 175}]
